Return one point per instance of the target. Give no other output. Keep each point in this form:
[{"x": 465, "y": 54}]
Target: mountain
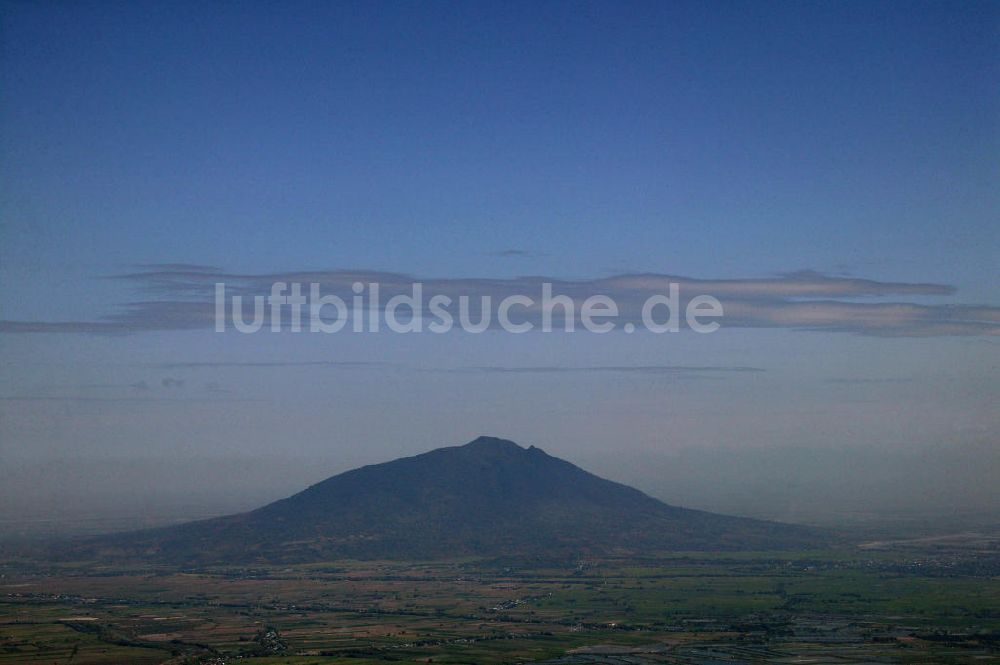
[{"x": 488, "y": 497}]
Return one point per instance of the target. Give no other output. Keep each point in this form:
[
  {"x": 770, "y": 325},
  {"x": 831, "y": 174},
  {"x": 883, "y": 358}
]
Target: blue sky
[{"x": 735, "y": 141}]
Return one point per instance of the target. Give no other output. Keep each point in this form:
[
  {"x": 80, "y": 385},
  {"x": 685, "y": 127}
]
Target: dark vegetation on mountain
[{"x": 490, "y": 497}]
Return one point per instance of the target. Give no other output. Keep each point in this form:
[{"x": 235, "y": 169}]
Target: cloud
[
  {"x": 61, "y": 327},
  {"x": 623, "y": 369},
  {"x": 341, "y": 364},
  {"x": 859, "y": 381},
  {"x": 181, "y": 297},
  {"x": 800, "y": 284},
  {"x": 118, "y": 400}
]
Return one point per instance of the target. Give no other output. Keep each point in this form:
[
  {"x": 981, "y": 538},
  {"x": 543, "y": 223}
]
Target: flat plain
[{"x": 894, "y": 602}]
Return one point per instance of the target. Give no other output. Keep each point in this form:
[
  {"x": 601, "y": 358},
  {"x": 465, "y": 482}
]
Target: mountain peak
[
  {"x": 493, "y": 442},
  {"x": 488, "y": 497}
]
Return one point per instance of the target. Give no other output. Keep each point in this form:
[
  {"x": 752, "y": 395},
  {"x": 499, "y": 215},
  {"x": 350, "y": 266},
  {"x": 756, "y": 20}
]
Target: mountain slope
[{"x": 488, "y": 497}]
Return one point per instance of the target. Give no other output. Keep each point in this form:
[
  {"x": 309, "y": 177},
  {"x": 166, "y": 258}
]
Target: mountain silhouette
[{"x": 489, "y": 497}]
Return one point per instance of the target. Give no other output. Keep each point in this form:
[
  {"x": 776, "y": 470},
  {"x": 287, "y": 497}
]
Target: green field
[{"x": 890, "y": 605}]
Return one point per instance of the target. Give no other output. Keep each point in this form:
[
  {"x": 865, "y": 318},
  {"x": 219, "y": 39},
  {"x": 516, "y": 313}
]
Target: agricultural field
[{"x": 884, "y": 604}]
